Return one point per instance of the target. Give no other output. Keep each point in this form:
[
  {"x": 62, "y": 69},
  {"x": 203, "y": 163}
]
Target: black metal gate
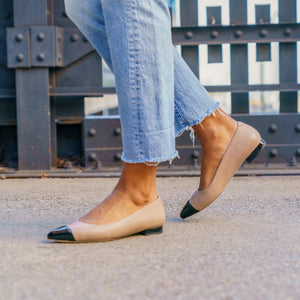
[{"x": 47, "y": 68}]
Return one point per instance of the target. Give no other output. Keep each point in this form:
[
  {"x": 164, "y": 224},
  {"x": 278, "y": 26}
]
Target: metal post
[
  {"x": 189, "y": 17},
  {"x": 32, "y": 85},
  {"x": 288, "y": 58},
  {"x": 214, "y": 17},
  {"x": 239, "y": 59}
]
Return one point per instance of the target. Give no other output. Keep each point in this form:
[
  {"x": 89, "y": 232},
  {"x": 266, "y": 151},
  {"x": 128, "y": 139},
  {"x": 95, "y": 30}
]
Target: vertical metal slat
[
  {"x": 33, "y": 107},
  {"x": 239, "y": 59},
  {"x": 288, "y": 58},
  {"x": 214, "y": 17},
  {"x": 189, "y": 17}
]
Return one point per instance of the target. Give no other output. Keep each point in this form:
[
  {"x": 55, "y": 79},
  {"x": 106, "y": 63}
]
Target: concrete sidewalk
[{"x": 246, "y": 245}]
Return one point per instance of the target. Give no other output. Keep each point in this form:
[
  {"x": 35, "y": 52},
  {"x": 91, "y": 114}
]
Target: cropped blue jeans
[{"x": 159, "y": 96}]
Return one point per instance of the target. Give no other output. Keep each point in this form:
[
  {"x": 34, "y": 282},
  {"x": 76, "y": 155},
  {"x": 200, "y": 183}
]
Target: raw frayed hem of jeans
[
  {"x": 152, "y": 162},
  {"x": 190, "y": 127}
]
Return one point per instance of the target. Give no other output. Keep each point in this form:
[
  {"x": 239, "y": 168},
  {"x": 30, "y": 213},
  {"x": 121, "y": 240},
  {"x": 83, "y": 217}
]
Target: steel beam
[
  {"x": 239, "y": 58},
  {"x": 288, "y": 58},
  {"x": 103, "y": 145},
  {"x": 98, "y": 92},
  {"x": 214, "y": 17},
  {"x": 236, "y": 35},
  {"x": 33, "y": 107}
]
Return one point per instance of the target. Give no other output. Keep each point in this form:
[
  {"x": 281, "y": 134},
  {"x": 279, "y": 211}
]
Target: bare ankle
[
  {"x": 216, "y": 126},
  {"x": 138, "y": 182}
]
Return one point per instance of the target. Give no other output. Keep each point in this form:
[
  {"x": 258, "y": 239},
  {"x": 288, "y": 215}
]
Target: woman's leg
[
  {"x": 195, "y": 108},
  {"x": 192, "y": 102},
  {"x": 134, "y": 37}
]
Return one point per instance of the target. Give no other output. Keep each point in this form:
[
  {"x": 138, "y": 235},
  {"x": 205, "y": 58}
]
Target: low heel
[
  {"x": 257, "y": 150},
  {"x": 152, "y": 231}
]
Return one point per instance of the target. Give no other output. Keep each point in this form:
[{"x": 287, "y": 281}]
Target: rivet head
[
  {"x": 117, "y": 131},
  {"x": 19, "y": 37},
  {"x": 297, "y": 128},
  {"x": 41, "y": 57},
  {"x": 93, "y": 157},
  {"x": 85, "y": 40},
  {"x": 288, "y": 31},
  {"x": 118, "y": 157},
  {"x": 214, "y": 34},
  {"x": 298, "y": 152},
  {"x": 74, "y": 37},
  {"x": 40, "y": 36},
  {"x": 196, "y": 154},
  {"x": 273, "y": 153},
  {"x": 20, "y": 57},
  {"x": 273, "y": 128},
  {"x": 263, "y": 33},
  {"x": 238, "y": 33},
  {"x": 92, "y": 132},
  {"x": 292, "y": 162},
  {"x": 189, "y": 35}
]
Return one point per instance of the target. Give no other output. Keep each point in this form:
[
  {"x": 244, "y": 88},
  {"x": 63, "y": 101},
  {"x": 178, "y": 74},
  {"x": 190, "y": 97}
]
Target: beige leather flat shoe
[
  {"x": 148, "y": 220},
  {"x": 246, "y": 144}
]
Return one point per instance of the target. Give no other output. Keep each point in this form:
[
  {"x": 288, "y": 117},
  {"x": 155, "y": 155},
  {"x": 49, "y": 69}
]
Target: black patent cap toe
[
  {"x": 63, "y": 233},
  {"x": 188, "y": 210}
]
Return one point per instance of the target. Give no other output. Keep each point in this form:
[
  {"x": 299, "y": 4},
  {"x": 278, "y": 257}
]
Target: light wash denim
[{"x": 159, "y": 96}]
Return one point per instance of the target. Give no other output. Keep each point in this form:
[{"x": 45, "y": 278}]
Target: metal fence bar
[
  {"x": 288, "y": 58},
  {"x": 263, "y": 51},
  {"x": 239, "y": 59},
  {"x": 237, "y": 34},
  {"x": 33, "y": 107},
  {"x": 215, "y": 52},
  {"x": 189, "y": 17}
]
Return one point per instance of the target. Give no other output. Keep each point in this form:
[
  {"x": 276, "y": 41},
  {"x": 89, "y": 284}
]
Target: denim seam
[
  {"x": 179, "y": 114},
  {"x": 133, "y": 74}
]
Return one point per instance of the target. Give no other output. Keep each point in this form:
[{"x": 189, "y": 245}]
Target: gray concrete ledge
[{"x": 163, "y": 171}]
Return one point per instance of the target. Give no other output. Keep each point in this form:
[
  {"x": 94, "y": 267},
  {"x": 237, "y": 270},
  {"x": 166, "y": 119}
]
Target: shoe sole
[{"x": 146, "y": 232}]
